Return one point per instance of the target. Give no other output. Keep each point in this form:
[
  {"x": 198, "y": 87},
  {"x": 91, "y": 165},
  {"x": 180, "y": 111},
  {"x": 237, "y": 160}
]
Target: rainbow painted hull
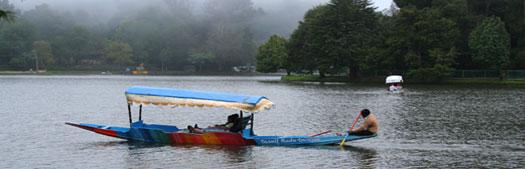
[{"x": 166, "y": 134}]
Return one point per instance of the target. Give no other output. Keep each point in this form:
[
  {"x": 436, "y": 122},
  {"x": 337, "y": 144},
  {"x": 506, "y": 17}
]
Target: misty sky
[
  {"x": 265, "y": 4},
  {"x": 268, "y": 4},
  {"x": 280, "y": 16}
]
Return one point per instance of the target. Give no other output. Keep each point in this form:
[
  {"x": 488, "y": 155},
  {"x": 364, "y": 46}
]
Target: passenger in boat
[
  {"x": 229, "y": 123},
  {"x": 392, "y": 88},
  {"x": 195, "y": 129},
  {"x": 369, "y": 127},
  {"x": 237, "y": 125}
]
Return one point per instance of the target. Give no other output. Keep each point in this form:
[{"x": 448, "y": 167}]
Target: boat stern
[{"x": 117, "y": 132}]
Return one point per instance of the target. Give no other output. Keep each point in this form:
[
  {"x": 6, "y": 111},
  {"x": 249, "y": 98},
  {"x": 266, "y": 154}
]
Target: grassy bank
[
  {"x": 316, "y": 78},
  {"x": 380, "y": 80},
  {"x": 313, "y": 78},
  {"x": 483, "y": 81}
]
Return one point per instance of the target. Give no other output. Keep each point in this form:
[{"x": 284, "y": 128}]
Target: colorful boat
[{"x": 170, "y": 134}]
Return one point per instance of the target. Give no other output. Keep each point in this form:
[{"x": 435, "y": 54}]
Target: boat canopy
[
  {"x": 394, "y": 79},
  {"x": 180, "y": 97}
]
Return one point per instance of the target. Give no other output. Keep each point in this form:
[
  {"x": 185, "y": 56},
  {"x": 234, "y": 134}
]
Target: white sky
[
  {"x": 382, "y": 4},
  {"x": 28, "y": 4}
]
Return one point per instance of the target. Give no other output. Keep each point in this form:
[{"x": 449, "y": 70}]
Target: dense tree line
[
  {"x": 424, "y": 39},
  {"x": 169, "y": 35}
]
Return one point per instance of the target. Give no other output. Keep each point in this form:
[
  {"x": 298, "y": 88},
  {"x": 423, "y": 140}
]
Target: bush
[
  {"x": 437, "y": 73},
  {"x": 22, "y": 62}
]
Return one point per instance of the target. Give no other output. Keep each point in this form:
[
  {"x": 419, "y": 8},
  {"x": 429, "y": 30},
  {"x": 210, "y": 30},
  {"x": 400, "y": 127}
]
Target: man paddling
[{"x": 369, "y": 127}]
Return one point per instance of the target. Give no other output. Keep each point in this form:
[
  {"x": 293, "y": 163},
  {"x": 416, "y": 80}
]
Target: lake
[{"x": 425, "y": 127}]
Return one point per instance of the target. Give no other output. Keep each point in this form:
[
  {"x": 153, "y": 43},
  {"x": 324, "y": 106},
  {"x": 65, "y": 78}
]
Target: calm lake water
[{"x": 426, "y": 127}]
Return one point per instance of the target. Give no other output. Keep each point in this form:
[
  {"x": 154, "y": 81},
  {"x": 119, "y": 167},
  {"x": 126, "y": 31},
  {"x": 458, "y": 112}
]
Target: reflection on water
[
  {"x": 426, "y": 126},
  {"x": 367, "y": 157}
]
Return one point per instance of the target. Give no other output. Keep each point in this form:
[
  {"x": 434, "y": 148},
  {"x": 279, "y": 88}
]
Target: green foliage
[
  {"x": 442, "y": 58},
  {"x": 160, "y": 35},
  {"x": 352, "y": 34},
  {"x": 511, "y": 13},
  {"x": 15, "y": 39},
  {"x": 441, "y": 67},
  {"x": 47, "y": 22},
  {"x": 334, "y": 38},
  {"x": 77, "y": 46},
  {"x": 6, "y": 15},
  {"x": 272, "y": 55},
  {"x": 7, "y": 11},
  {"x": 425, "y": 39},
  {"x": 490, "y": 43},
  {"x": 304, "y": 47},
  {"x": 24, "y": 61},
  {"x": 314, "y": 78},
  {"x": 118, "y": 53},
  {"x": 343, "y": 37},
  {"x": 230, "y": 38},
  {"x": 43, "y": 51},
  {"x": 436, "y": 73},
  {"x": 200, "y": 59}
]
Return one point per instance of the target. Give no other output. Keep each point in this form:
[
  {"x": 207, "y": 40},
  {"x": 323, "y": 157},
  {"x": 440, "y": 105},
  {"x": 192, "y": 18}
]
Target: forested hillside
[{"x": 423, "y": 39}]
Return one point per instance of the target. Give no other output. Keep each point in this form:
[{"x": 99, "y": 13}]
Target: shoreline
[
  {"x": 380, "y": 80},
  {"x": 106, "y": 72},
  {"x": 284, "y": 77}
]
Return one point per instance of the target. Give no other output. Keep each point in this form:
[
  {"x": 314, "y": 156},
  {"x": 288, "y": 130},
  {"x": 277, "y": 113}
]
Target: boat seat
[{"x": 239, "y": 126}]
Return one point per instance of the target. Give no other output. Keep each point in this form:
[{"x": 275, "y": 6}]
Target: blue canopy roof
[{"x": 170, "y": 96}]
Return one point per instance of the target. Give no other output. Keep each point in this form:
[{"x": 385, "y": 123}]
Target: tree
[
  {"x": 201, "y": 58},
  {"x": 24, "y": 61},
  {"x": 272, "y": 55},
  {"x": 299, "y": 58},
  {"x": 351, "y": 35},
  {"x": 490, "y": 44},
  {"x": 511, "y": 12},
  {"x": 15, "y": 40},
  {"x": 48, "y": 22},
  {"x": 6, "y": 15},
  {"x": 43, "y": 52},
  {"x": 303, "y": 47},
  {"x": 336, "y": 37},
  {"x": 6, "y": 11},
  {"x": 229, "y": 35},
  {"x": 458, "y": 12},
  {"x": 438, "y": 70},
  {"x": 118, "y": 53},
  {"x": 165, "y": 55},
  {"x": 76, "y": 47},
  {"x": 422, "y": 42}
]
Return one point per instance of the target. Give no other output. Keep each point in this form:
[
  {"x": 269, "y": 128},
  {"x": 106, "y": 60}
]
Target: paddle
[
  {"x": 353, "y": 124},
  {"x": 327, "y": 131}
]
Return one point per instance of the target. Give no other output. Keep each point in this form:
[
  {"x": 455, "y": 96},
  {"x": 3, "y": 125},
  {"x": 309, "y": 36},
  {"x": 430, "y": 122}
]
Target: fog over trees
[
  {"x": 165, "y": 35},
  {"x": 422, "y": 39}
]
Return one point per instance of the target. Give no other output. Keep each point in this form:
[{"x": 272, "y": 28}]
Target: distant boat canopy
[
  {"x": 394, "y": 79},
  {"x": 179, "y": 97}
]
